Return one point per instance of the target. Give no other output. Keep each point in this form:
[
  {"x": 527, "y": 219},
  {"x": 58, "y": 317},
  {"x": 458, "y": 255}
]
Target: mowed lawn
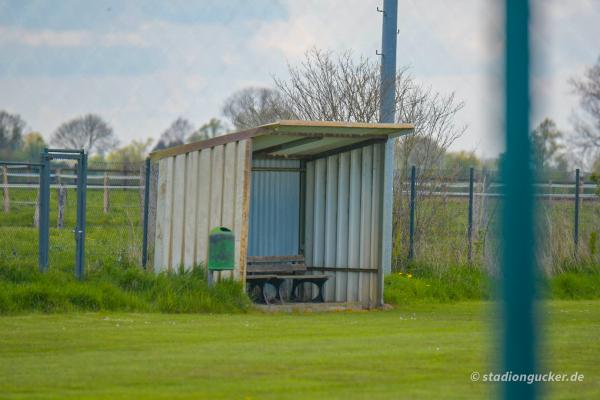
[{"x": 424, "y": 351}]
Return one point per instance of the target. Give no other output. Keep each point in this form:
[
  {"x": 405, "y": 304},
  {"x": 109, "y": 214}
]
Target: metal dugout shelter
[{"x": 318, "y": 189}]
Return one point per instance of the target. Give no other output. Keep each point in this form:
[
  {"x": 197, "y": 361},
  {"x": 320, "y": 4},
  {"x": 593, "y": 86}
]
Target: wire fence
[
  {"x": 114, "y": 213},
  {"x": 567, "y": 231},
  {"x": 452, "y": 225}
]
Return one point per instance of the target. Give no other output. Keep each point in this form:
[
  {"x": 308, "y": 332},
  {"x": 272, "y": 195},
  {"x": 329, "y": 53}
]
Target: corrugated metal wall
[
  {"x": 198, "y": 191},
  {"x": 274, "y": 208},
  {"x": 344, "y": 200}
]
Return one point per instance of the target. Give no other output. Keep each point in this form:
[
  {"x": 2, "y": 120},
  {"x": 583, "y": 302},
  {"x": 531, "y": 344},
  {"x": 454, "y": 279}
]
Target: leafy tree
[
  {"x": 545, "y": 144},
  {"x": 587, "y": 118},
  {"x": 214, "y": 127},
  {"x": 89, "y": 132},
  {"x": 11, "y": 133},
  {"x": 460, "y": 162},
  {"x": 33, "y": 145},
  {"x": 131, "y": 155},
  {"x": 176, "y": 134}
]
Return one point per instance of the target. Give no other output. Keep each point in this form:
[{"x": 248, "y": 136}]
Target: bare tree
[
  {"x": 89, "y": 132},
  {"x": 330, "y": 87},
  {"x": 327, "y": 87},
  {"x": 254, "y": 106},
  {"x": 11, "y": 131},
  {"x": 176, "y": 134},
  {"x": 587, "y": 118}
]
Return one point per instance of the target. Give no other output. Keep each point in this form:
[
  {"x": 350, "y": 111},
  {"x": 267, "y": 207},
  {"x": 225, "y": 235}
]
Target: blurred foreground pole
[
  {"x": 387, "y": 111},
  {"x": 518, "y": 247}
]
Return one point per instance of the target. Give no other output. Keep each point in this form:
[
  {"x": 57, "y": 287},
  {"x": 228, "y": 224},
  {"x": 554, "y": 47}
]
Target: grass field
[{"x": 421, "y": 351}]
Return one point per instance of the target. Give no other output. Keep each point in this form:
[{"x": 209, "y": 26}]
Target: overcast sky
[{"x": 141, "y": 64}]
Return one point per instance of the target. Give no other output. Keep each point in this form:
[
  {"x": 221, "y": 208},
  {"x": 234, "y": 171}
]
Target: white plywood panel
[
  {"x": 331, "y": 205},
  {"x": 191, "y": 206},
  {"x": 309, "y": 214},
  {"x": 376, "y": 213},
  {"x": 354, "y": 207},
  {"x": 319, "y": 213},
  {"x": 160, "y": 235},
  {"x": 216, "y": 192},
  {"x": 239, "y": 206},
  {"x": 365, "y": 222},
  {"x": 341, "y": 278},
  {"x": 178, "y": 212},
  {"x": 229, "y": 169},
  {"x": 203, "y": 207},
  {"x": 216, "y": 188},
  {"x": 229, "y": 175},
  {"x": 168, "y": 214}
]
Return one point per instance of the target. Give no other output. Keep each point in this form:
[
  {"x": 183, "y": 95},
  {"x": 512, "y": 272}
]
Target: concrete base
[{"x": 313, "y": 307}]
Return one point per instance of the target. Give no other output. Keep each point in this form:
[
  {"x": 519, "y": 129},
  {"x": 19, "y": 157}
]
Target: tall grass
[
  {"x": 433, "y": 284},
  {"x": 117, "y": 288}
]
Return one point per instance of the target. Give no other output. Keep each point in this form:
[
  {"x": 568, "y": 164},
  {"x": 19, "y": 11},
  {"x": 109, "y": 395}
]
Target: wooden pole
[
  {"x": 61, "y": 206},
  {"x": 106, "y": 194},
  {"x": 36, "y": 215},
  {"x": 5, "y": 189}
]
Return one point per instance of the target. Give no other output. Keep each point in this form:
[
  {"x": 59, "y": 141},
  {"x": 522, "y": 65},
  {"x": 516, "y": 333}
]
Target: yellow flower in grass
[{"x": 409, "y": 275}]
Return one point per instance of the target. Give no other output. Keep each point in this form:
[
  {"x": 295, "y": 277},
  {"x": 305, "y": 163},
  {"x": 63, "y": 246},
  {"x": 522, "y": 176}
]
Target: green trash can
[{"x": 221, "y": 249}]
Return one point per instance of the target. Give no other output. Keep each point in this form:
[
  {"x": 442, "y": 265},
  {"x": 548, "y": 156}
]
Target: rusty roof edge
[{"x": 398, "y": 130}]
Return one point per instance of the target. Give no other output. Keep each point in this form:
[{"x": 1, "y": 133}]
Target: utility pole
[
  {"x": 389, "y": 32},
  {"x": 387, "y": 111}
]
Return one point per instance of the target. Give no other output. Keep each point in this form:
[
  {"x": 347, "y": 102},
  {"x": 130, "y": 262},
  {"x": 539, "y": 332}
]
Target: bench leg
[
  {"x": 295, "y": 285},
  {"x": 319, "y": 298},
  {"x": 279, "y": 288},
  {"x": 298, "y": 284}
]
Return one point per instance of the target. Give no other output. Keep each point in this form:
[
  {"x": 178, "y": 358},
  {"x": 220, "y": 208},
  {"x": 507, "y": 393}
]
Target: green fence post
[
  {"x": 146, "y": 205},
  {"x": 518, "y": 246},
  {"x": 81, "y": 205},
  {"x": 44, "y": 212}
]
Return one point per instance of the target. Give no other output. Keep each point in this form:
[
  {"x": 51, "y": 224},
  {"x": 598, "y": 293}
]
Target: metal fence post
[
  {"x": 44, "y": 212},
  {"x": 470, "y": 228},
  {"x": 576, "y": 226},
  {"x": 146, "y": 212},
  {"x": 413, "y": 194},
  {"x": 81, "y": 205}
]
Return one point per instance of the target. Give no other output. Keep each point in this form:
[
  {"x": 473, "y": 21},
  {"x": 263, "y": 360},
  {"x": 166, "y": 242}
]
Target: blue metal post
[
  {"x": 146, "y": 211},
  {"x": 387, "y": 106},
  {"x": 576, "y": 227},
  {"x": 44, "y": 212},
  {"x": 413, "y": 195},
  {"x": 387, "y": 113},
  {"x": 518, "y": 246},
  {"x": 470, "y": 228}
]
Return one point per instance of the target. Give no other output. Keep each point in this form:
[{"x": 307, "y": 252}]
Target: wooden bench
[{"x": 275, "y": 271}]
